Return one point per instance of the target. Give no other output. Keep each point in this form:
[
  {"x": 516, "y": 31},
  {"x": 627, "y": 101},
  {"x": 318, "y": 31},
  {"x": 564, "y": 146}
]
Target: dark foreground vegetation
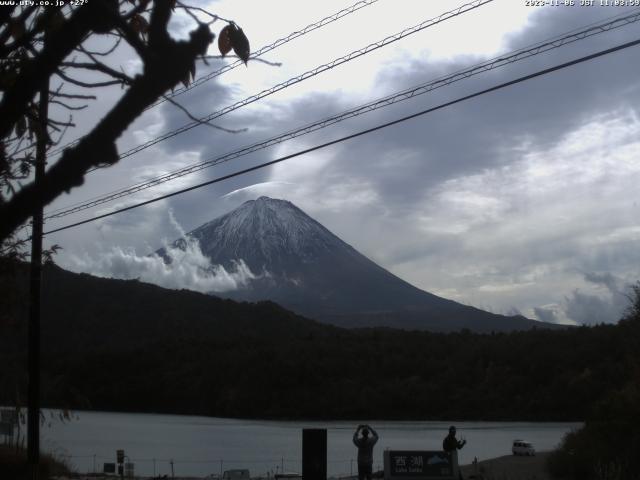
[
  {"x": 13, "y": 464},
  {"x": 125, "y": 345},
  {"x": 607, "y": 447}
]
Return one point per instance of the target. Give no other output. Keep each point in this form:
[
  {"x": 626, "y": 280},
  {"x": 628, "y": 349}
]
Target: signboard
[
  {"x": 419, "y": 464},
  {"x": 109, "y": 468}
]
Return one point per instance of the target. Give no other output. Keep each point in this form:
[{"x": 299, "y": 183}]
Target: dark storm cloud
[
  {"x": 261, "y": 125},
  {"x": 404, "y": 168},
  {"x": 481, "y": 133},
  {"x": 404, "y": 161},
  {"x": 545, "y": 315},
  {"x": 468, "y": 137},
  {"x": 209, "y": 97},
  {"x": 606, "y": 279},
  {"x": 588, "y": 309}
]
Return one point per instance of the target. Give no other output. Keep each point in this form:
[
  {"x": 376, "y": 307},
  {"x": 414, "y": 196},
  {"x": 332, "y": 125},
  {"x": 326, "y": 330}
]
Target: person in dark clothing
[
  {"x": 451, "y": 443},
  {"x": 365, "y": 443}
]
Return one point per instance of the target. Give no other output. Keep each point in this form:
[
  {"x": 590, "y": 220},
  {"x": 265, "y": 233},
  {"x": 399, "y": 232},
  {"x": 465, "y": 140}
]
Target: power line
[
  {"x": 355, "y": 54},
  {"x": 267, "y": 48},
  {"x": 292, "y": 36},
  {"x": 526, "y": 52},
  {"x": 358, "y": 134},
  {"x": 308, "y": 74}
]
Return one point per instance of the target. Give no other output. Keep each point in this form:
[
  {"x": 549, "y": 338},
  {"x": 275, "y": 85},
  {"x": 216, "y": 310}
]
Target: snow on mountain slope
[{"x": 306, "y": 268}]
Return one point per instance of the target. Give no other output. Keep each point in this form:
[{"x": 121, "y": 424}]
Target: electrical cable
[
  {"x": 281, "y": 41},
  {"x": 306, "y": 75},
  {"x": 527, "y": 52},
  {"x": 267, "y": 48},
  {"x": 357, "y": 134}
]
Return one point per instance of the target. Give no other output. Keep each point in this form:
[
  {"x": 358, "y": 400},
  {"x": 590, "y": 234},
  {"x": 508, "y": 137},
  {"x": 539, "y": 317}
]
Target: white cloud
[
  {"x": 185, "y": 268},
  {"x": 189, "y": 269},
  {"x": 502, "y": 201}
]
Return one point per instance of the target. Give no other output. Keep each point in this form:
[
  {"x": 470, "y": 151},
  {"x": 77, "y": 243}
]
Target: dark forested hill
[{"x": 125, "y": 345}]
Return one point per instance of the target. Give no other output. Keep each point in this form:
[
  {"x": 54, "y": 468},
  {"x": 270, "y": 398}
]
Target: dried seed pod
[
  {"x": 139, "y": 24},
  {"x": 240, "y": 43},
  {"x": 224, "y": 40}
]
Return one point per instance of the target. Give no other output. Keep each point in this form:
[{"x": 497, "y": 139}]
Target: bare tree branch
[
  {"x": 132, "y": 38},
  {"x": 79, "y": 83},
  {"x": 105, "y": 53},
  {"x": 24, "y": 39},
  {"x": 200, "y": 121},
  {"x": 167, "y": 64},
  {"x": 202, "y": 10},
  {"x": 35, "y": 71},
  {"x": 137, "y": 10},
  {"x": 67, "y": 106},
  {"x": 53, "y": 123},
  {"x": 100, "y": 67},
  {"x": 69, "y": 95}
]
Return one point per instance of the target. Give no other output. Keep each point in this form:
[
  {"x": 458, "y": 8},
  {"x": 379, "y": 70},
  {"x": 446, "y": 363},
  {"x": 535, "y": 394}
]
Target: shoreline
[
  {"x": 506, "y": 467},
  {"x": 510, "y": 467},
  {"x": 354, "y": 420}
]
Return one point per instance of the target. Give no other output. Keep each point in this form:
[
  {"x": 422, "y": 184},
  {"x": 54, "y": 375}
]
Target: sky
[{"x": 520, "y": 200}]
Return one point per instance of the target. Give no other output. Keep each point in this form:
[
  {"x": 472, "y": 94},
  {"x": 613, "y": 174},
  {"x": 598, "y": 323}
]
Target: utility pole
[{"x": 33, "y": 401}]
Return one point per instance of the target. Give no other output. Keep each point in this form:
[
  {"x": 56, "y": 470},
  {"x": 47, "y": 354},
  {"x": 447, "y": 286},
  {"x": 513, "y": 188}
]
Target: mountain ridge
[{"x": 303, "y": 266}]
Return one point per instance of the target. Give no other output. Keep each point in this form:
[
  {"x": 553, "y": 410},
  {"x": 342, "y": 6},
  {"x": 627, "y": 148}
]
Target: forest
[{"x": 129, "y": 346}]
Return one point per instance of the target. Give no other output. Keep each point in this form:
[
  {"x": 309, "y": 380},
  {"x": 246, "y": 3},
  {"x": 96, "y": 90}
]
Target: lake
[{"x": 200, "y": 446}]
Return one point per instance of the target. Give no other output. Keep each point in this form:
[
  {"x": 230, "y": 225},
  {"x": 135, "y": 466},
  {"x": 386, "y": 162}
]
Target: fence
[{"x": 211, "y": 468}]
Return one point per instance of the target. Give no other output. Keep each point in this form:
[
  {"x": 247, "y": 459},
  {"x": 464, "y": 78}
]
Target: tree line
[{"x": 129, "y": 346}]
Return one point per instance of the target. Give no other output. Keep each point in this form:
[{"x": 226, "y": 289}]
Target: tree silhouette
[{"x": 39, "y": 45}]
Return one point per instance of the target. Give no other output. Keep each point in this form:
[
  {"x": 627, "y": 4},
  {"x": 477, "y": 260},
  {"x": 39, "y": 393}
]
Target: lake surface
[{"x": 201, "y": 446}]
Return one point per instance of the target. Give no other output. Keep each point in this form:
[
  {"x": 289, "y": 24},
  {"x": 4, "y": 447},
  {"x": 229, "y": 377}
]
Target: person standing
[
  {"x": 365, "y": 443},
  {"x": 451, "y": 443}
]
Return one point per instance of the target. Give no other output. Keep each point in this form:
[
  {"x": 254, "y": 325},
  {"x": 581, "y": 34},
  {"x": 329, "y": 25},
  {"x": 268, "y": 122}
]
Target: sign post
[
  {"x": 314, "y": 454},
  {"x": 120, "y": 459},
  {"x": 420, "y": 465}
]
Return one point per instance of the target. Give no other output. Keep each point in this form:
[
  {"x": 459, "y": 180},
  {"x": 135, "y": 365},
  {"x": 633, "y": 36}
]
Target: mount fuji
[{"x": 302, "y": 266}]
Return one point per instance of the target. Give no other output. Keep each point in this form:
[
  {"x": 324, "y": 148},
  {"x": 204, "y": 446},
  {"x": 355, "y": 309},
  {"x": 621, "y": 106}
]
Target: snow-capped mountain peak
[
  {"x": 261, "y": 231},
  {"x": 297, "y": 262}
]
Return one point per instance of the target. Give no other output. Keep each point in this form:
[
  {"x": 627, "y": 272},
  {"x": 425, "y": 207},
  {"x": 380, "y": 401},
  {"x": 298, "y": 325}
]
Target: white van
[{"x": 521, "y": 447}]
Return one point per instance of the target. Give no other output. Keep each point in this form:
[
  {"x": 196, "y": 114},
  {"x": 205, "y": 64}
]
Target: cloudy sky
[{"x": 524, "y": 199}]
